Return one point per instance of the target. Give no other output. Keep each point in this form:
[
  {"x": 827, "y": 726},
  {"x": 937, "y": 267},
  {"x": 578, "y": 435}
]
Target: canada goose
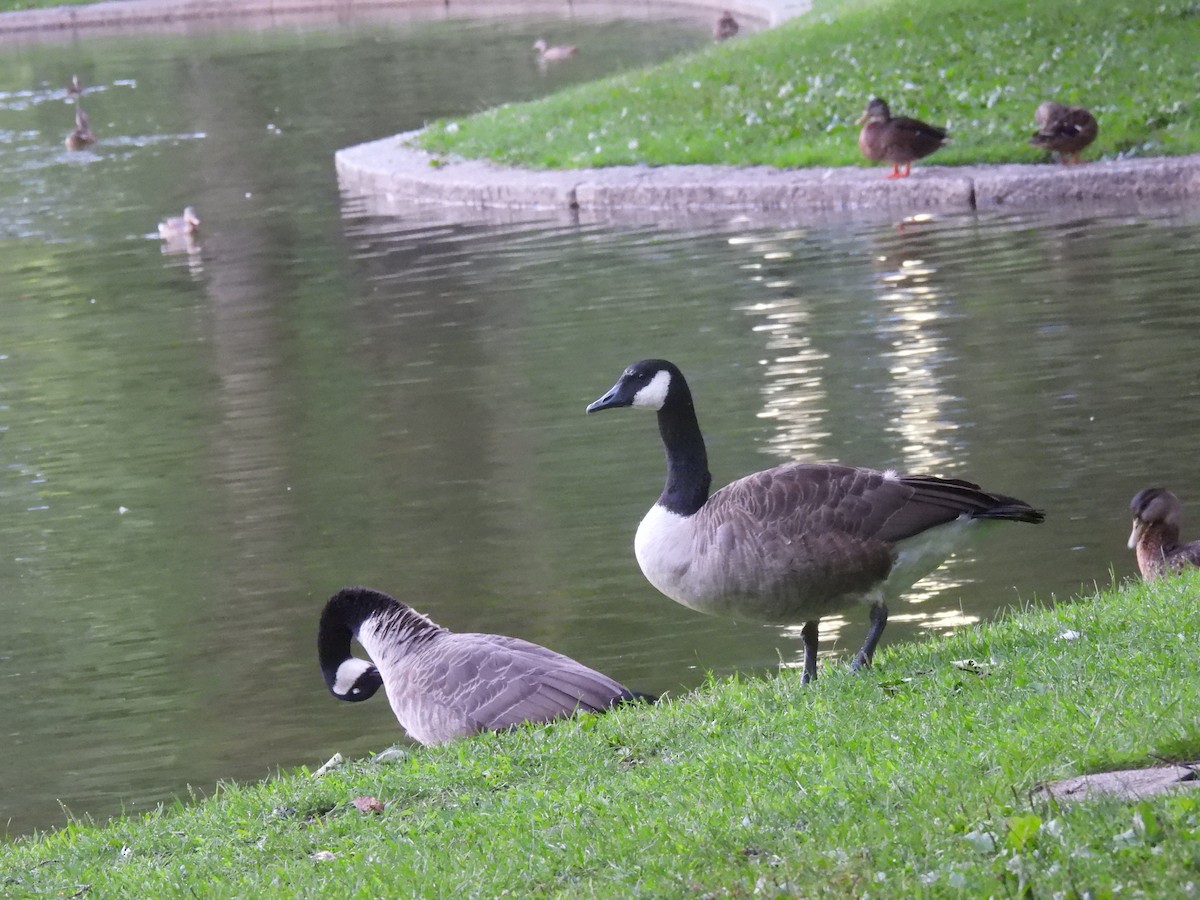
[
  {"x": 444, "y": 685},
  {"x": 175, "y": 227},
  {"x": 795, "y": 542},
  {"x": 726, "y": 27},
  {"x": 550, "y": 54},
  {"x": 74, "y": 86},
  {"x": 1065, "y": 130},
  {"x": 82, "y": 135},
  {"x": 1157, "y": 520},
  {"x": 898, "y": 140}
]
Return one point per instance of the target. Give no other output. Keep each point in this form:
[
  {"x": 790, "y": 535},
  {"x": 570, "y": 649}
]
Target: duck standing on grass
[
  {"x": 1157, "y": 521},
  {"x": 552, "y": 54},
  {"x": 796, "y": 542},
  {"x": 898, "y": 140},
  {"x": 444, "y": 685},
  {"x": 1065, "y": 130},
  {"x": 726, "y": 27}
]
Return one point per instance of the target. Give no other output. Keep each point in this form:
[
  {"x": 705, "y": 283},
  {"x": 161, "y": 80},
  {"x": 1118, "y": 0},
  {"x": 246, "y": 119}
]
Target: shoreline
[
  {"x": 392, "y": 174},
  {"x": 396, "y": 174}
]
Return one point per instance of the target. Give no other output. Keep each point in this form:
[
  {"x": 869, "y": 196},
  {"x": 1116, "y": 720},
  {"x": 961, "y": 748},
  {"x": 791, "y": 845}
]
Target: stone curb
[{"x": 399, "y": 173}]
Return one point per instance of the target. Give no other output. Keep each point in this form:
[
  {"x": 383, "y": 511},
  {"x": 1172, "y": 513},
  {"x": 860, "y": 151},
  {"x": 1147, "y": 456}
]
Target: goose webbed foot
[
  {"x": 862, "y": 659},
  {"x": 809, "y": 634}
]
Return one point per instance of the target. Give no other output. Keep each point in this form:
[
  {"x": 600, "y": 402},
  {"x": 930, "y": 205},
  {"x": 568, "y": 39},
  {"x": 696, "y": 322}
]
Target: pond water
[{"x": 199, "y": 447}]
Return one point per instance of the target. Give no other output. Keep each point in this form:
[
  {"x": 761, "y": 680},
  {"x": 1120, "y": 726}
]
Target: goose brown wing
[
  {"x": 495, "y": 682},
  {"x": 802, "y": 500}
]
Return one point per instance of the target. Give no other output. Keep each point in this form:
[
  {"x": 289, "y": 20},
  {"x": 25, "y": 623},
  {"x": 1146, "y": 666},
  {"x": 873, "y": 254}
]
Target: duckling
[
  {"x": 726, "y": 27},
  {"x": 1065, "y": 130},
  {"x": 1157, "y": 520},
  {"x": 176, "y": 227},
  {"x": 81, "y": 135},
  {"x": 550, "y": 54},
  {"x": 898, "y": 140},
  {"x": 443, "y": 685}
]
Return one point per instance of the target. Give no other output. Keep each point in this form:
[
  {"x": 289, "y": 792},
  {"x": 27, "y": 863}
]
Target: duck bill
[{"x": 1139, "y": 528}]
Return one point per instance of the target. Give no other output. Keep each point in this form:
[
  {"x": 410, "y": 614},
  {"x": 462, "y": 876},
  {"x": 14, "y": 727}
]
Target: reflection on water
[{"x": 198, "y": 448}]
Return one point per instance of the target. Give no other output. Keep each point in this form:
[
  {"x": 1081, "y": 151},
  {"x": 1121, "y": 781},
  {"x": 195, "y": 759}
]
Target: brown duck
[
  {"x": 1157, "y": 518},
  {"x": 81, "y": 135},
  {"x": 898, "y": 140},
  {"x": 1065, "y": 130},
  {"x": 726, "y": 27}
]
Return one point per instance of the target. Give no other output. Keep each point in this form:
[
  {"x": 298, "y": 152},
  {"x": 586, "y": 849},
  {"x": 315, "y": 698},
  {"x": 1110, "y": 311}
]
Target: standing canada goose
[
  {"x": 444, "y": 685},
  {"x": 726, "y": 27},
  {"x": 175, "y": 227},
  {"x": 795, "y": 542},
  {"x": 550, "y": 54},
  {"x": 897, "y": 140},
  {"x": 82, "y": 135},
  {"x": 1065, "y": 130},
  {"x": 1157, "y": 521}
]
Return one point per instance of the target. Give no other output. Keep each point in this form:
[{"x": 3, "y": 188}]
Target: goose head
[
  {"x": 649, "y": 384},
  {"x": 347, "y": 676},
  {"x": 1157, "y": 509}
]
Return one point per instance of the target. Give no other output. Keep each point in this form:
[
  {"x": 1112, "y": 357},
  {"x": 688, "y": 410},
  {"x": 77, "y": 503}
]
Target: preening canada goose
[
  {"x": 1157, "y": 521},
  {"x": 898, "y": 140},
  {"x": 1065, "y": 130},
  {"x": 790, "y": 544},
  {"x": 174, "y": 227},
  {"x": 444, "y": 685}
]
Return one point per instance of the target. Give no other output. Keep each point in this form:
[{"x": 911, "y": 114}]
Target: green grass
[
  {"x": 791, "y": 96},
  {"x": 915, "y": 778}
]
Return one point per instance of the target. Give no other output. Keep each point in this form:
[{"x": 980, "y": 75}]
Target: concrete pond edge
[{"x": 398, "y": 173}]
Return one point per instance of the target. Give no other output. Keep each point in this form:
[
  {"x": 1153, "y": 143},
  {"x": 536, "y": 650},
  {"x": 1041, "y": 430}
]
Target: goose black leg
[
  {"x": 864, "y": 656},
  {"x": 809, "y": 634}
]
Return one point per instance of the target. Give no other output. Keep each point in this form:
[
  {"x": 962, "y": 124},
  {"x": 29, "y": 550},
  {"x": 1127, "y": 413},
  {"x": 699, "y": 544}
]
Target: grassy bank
[
  {"x": 914, "y": 778},
  {"x": 790, "y": 96}
]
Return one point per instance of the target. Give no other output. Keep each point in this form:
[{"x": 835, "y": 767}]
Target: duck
[
  {"x": 74, "y": 87},
  {"x": 1157, "y": 521},
  {"x": 444, "y": 685},
  {"x": 550, "y": 54},
  {"x": 790, "y": 544},
  {"x": 81, "y": 135},
  {"x": 1065, "y": 130},
  {"x": 175, "y": 227},
  {"x": 898, "y": 140},
  {"x": 726, "y": 27}
]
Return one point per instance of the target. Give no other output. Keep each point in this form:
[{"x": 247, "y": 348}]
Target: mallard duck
[
  {"x": 549, "y": 54},
  {"x": 726, "y": 27},
  {"x": 1157, "y": 519},
  {"x": 1064, "y": 130},
  {"x": 897, "y": 140},
  {"x": 81, "y": 135},
  {"x": 179, "y": 226}
]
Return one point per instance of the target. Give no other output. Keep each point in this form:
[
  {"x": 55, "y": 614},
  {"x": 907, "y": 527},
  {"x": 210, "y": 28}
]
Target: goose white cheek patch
[
  {"x": 347, "y": 674},
  {"x": 654, "y": 395}
]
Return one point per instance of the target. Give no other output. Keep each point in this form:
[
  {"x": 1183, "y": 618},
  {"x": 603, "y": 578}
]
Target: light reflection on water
[{"x": 319, "y": 396}]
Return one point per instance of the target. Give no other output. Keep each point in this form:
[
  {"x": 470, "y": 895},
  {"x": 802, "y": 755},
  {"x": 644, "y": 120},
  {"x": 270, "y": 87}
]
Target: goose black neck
[
  {"x": 688, "y": 478},
  {"x": 345, "y": 614}
]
